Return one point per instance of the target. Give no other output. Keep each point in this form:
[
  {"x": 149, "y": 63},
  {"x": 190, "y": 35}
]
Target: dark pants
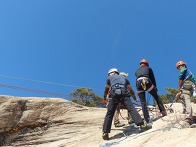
[
  {"x": 142, "y": 96},
  {"x": 111, "y": 108}
]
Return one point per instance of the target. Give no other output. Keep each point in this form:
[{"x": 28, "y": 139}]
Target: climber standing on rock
[
  {"x": 145, "y": 81},
  {"x": 186, "y": 83},
  {"x": 119, "y": 86},
  {"x": 117, "y": 122}
]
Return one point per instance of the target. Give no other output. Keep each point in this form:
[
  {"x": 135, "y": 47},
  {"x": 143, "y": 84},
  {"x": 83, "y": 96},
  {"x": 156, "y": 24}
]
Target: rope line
[
  {"x": 45, "y": 82},
  {"x": 35, "y": 90},
  {"x": 135, "y": 136}
]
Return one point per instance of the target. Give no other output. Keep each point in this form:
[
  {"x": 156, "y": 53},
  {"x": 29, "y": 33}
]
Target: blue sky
[{"x": 75, "y": 43}]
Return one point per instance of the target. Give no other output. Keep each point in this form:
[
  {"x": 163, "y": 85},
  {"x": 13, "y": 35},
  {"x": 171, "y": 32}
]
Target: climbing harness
[
  {"x": 143, "y": 83},
  {"x": 118, "y": 89}
]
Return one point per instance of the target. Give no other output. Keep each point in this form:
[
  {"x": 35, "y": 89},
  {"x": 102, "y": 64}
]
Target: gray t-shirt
[{"x": 117, "y": 79}]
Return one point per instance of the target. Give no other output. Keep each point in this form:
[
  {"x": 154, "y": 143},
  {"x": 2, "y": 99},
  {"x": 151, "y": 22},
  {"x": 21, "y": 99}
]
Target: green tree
[
  {"x": 85, "y": 96},
  {"x": 171, "y": 94}
]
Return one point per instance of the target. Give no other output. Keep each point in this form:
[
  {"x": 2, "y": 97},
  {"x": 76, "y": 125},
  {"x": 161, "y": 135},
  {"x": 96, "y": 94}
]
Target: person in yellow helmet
[
  {"x": 186, "y": 83},
  {"x": 145, "y": 81}
]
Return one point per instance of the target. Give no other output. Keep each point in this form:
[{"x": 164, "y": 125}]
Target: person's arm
[
  {"x": 132, "y": 92},
  {"x": 107, "y": 87},
  {"x": 180, "y": 83},
  {"x": 181, "y": 77},
  {"x": 152, "y": 77}
]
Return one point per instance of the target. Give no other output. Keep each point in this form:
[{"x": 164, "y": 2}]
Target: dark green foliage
[
  {"x": 85, "y": 96},
  {"x": 170, "y": 96},
  {"x": 193, "y": 100}
]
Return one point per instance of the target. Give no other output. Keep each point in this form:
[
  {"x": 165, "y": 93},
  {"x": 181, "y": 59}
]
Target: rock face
[
  {"x": 45, "y": 122},
  {"x": 55, "y": 122}
]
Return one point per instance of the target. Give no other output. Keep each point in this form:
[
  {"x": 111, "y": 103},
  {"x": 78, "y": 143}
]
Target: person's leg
[
  {"x": 142, "y": 97},
  {"x": 132, "y": 111},
  {"x": 153, "y": 92},
  {"x": 112, "y": 104},
  {"x": 129, "y": 118},
  {"x": 116, "y": 114},
  {"x": 183, "y": 105},
  {"x": 188, "y": 107},
  {"x": 135, "y": 115},
  {"x": 117, "y": 122}
]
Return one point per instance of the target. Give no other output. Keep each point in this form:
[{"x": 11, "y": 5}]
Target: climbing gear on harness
[
  {"x": 144, "y": 82},
  {"x": 117, "y": 86},
  {"x": 184, "y": 91},
  {"x": 145, "y": 127},
  {"x": 112, "y": 70},
  {"x": 118, "y": 89},
  {"x": 105, "y": 136},
  {"x": 118, "y": 124},
  {"x": 194, "y": 91},
  {"x": 180, "y": 63},
  {"x": 188, "y": 85}
]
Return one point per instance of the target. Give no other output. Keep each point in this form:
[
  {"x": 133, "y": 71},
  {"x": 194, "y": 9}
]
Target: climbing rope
[
  {"x": 109, "y": 144},
  {"x": 125, "y": 136},
  {"x": 44, "y": 82}
]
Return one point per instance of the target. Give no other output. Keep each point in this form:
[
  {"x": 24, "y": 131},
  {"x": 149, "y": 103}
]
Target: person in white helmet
[
  {"x": 117, "y": 122},
  {"x": 120, "y": 88}
]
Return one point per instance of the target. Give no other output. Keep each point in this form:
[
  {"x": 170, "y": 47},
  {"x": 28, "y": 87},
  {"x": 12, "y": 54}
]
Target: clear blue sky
[{"x": 75, "y": 43}]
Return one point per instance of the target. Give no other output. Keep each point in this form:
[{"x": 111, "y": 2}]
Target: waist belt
[
  {"x": 117, "y": 86},
  {"x": 141, "y": 78},
  {"x": 186, "y": 91},
  {"x": 144, "y": 82}
]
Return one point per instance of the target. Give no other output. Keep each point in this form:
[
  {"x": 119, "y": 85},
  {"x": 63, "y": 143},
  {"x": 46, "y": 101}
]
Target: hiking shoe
[
  {"x": 105, "y": 136},
  {"x": 131, "y": 121},
  {"x": 189, "y": 120},
  {"x": 118, "y": 124},
  {"x": 145, "y": 127},
  {"x": 164, "y": 113},
  {"x": 184, "y": 111}
]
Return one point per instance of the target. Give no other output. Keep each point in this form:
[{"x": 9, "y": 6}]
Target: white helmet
[
  {"x": 112, "y": 70},
  {"x": 123, "y": 74}
]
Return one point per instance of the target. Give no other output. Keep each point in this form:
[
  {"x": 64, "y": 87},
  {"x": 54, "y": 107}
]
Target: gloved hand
[
  {"x": 104, "y": 101},
  {"x": 135, "y": 99},
  {"x": 178, "y": 95}
]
